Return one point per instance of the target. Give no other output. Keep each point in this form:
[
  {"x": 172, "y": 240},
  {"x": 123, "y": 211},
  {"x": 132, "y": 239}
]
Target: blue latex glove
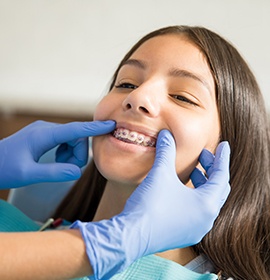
[
  {"x": 162, "y": 213},
  {"x": 20, "y": 152}
]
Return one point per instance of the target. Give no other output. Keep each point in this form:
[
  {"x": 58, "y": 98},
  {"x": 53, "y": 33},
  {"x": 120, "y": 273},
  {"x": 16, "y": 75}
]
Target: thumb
[
  {"x": 56, "y": 172},
  {"x": 163, "y": 165},
  {"x": 165, "y": 151}
]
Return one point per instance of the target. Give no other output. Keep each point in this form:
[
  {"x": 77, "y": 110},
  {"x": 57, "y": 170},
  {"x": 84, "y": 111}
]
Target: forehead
[
  {"x": 173, "y": 51},
  {"x": 175, "y": 48}
]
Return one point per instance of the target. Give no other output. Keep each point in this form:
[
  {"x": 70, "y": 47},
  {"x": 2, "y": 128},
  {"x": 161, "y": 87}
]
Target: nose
[{"x": 142, "y": 101}]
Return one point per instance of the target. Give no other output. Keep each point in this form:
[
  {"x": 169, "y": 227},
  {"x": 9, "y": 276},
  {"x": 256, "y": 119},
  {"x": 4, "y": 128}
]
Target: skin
[
  {"x": 43, "y": 255},
  {"x": 166, "y": 84}
]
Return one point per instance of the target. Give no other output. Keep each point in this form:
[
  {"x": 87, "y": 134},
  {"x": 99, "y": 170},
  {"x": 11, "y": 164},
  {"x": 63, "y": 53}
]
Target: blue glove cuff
[{"x": 111, "y": 245}]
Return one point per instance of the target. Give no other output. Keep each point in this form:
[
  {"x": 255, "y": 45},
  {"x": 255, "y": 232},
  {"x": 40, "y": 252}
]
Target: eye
[
  {"x": 126, "y": 86},
  {"x": 183, "y": 99}
]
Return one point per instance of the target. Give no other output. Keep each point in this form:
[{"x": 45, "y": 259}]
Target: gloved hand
[
  {"x": 162, "y": 213},
  {"x": 20, "y": 152}
]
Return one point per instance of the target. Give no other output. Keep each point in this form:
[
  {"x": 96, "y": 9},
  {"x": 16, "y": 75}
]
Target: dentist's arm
[
  {"x": 162, "y": 213},
  {"x": 43, "y": 255},
  {"x": 20, "y": 152}
]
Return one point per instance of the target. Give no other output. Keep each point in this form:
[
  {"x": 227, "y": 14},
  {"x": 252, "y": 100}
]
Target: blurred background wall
[{"x": 57, "y": 56}]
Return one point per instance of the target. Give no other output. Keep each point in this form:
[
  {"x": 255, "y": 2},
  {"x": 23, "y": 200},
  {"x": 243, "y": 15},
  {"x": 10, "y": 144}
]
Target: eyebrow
[
  {"x": 135, "y": 62},
  {"x": 174, "y": 72},
  {"x": 187, "y": 74}
]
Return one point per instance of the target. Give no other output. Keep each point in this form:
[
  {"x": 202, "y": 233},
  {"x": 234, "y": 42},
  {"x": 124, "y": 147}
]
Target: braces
[{"x": 134, "y": 137}]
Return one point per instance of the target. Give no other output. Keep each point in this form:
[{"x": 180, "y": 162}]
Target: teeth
[
  {"x": 148, "y": 141},
  {"x": 134, "y": 137},
  {"x": 124, "y": 133},
  {"x": 140, "y": 138}
]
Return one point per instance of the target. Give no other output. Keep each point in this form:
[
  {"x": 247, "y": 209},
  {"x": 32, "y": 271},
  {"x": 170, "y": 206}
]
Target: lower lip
[{"x": 129, "y": 146}]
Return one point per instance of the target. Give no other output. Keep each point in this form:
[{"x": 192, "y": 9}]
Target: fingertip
[
  {"x": 108, "y": 123},
  {"x": 72, "y": 173},
  {"x": 165, "y": 138},
  {"x": 206, "y": 156},
  {"x": 223, "y": 150},
  {"x": 96, "y": 128},
  {"x": 165, "y": 150}
]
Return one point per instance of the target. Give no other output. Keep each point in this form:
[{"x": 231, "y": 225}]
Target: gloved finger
[
  {"x": 71, "y": 157},
  {"x": 71, "y": 131},
  {"x": 206, "y": 159},
  {"x": 77, "y": 154},
  {"x": 165, "y": 151},
  {"x": 221, "y": 165},
  {"x": 62, "y": 153},
  {"x": 162, "y": 167},
  {"x": 198, "y": 178},
  {"x": 49, "y": 135},
  {"x": 56, "y": 172},
  {"x": 219, "y": 175}
]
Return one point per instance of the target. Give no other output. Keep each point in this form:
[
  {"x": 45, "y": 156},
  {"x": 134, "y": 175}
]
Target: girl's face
[{"x": 165, "y": 84}]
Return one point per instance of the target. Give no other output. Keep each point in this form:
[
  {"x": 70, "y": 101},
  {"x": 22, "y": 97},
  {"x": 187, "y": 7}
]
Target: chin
[
  {"x": 123, "y": 166},
  {"x": 122, "y": 174}
]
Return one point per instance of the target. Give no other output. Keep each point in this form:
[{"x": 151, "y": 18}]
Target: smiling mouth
[{"x": 134, "y": 137}]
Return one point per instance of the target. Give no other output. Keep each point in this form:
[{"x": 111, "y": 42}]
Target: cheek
[
  {"x": 105, "y": 108},
  {"x": 101, "y": 110},
  {"x": 190, "y": 141},
  {"x": 188, "y": 148}
]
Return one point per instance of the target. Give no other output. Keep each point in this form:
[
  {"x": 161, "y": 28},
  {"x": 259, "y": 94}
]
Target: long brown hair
[{"x": 239, "y": 243}]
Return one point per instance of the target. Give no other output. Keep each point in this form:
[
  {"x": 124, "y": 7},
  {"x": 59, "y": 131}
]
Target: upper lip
[{"x": 138, "y": 128}]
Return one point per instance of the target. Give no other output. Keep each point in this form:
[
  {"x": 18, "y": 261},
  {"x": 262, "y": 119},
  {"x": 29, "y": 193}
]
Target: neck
[
  {"x": 181, "y": 256},
  {"x": 112, "y": 203},
  {"x": 113, "y": 200}
]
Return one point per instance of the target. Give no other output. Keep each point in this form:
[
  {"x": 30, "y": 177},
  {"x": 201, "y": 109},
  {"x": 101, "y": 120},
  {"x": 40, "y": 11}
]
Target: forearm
[{"x": 43, "y": 255}]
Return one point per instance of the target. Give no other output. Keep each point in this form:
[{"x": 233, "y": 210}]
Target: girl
[
  {"x": 65, "y": 254},
  {"x": 194, "y": 83}
]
